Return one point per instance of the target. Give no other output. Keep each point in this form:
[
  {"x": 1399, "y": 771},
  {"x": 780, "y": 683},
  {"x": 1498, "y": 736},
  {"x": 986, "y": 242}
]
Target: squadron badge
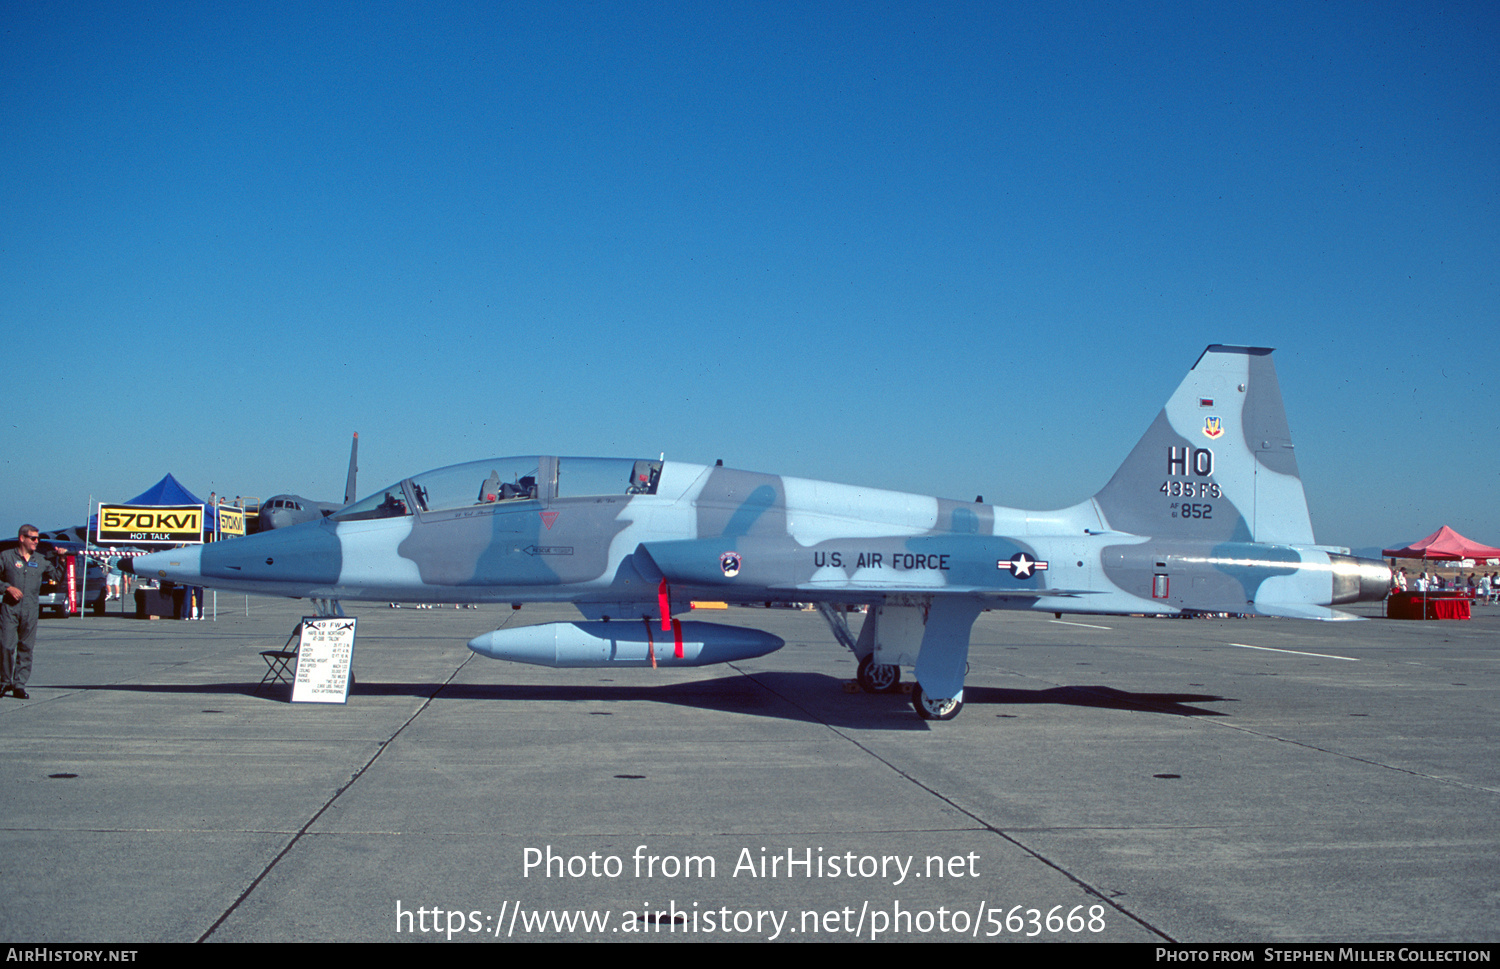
[{"x": 730, "y": 563}]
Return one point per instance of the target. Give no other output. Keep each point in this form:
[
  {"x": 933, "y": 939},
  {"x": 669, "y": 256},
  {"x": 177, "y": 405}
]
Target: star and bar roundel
[{"x": 1021, "y": 565}]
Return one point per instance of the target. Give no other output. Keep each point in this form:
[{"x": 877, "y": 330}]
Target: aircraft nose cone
[{"x": 175, "y": 565}]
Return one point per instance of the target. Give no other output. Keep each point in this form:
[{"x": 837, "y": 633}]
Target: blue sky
[{"x": 955, "y": 249}]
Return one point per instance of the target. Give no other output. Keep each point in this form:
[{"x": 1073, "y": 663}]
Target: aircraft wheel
[
  {"x": 878, "y": 677},
  {"x": 929, "y": 708}
]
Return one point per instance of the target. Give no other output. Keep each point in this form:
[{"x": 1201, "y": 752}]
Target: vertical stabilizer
[
  {"x": 349, "y": 494},
  {"x": 1217, "y": 463}
]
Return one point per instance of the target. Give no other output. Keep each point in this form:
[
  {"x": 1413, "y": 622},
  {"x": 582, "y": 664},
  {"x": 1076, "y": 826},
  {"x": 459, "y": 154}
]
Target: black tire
[
  {"x": 878, "y": 677},
  {"x": 929, "y": 709}
]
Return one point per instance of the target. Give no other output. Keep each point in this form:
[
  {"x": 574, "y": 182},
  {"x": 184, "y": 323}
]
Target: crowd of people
[{"x": 1479, "y": 586}]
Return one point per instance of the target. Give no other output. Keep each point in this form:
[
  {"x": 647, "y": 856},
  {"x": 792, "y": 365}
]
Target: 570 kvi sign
[{"x": 150, "y": 524}]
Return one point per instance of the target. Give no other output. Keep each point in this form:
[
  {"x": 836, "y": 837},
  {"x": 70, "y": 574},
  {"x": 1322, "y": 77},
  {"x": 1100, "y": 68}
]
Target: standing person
[
  {"x": 112, "y": 576},
  {"x": 22, "y": 569}
]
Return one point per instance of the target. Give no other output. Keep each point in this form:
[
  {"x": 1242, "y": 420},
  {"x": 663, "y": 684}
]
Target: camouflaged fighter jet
[{"x": 1207, "y": 514}]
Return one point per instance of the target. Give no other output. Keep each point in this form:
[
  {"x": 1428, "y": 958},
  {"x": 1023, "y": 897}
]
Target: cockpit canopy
[{"x": 502, "y": 480}]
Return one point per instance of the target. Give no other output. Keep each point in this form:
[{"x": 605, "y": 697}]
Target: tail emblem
[{"x": 1212, "y": 427}]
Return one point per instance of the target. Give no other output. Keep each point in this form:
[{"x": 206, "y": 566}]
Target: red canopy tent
[{"x": 1444, "y": 543}]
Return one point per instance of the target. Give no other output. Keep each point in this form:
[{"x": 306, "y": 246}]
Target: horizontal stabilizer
[{"x": 1302, "y": 610}]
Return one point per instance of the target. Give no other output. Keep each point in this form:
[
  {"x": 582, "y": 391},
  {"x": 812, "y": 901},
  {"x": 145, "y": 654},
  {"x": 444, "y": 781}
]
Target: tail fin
[
  {"x": 1217, "y": 463},
  {"x": 349, "y": 494}
]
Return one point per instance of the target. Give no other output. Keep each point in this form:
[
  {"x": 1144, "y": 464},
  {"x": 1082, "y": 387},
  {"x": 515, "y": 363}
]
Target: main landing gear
[
  {"x": 901, "y": 627},
  {"x": 886, "y": 678}
]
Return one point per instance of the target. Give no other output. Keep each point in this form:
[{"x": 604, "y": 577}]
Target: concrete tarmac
[{"x": 1116, "y": 779}]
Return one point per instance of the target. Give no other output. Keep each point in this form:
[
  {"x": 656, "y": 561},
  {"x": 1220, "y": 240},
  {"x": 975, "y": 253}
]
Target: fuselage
[{"x": 548, "y": 530}]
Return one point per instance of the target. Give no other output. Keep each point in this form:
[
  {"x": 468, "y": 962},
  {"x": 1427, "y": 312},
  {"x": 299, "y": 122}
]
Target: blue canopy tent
[{"x": 165, "y": 493}]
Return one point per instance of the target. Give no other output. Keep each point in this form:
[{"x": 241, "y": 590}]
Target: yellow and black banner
[
  {"x": 150, "y": 525},
  {"x": 231, "y": 520}
]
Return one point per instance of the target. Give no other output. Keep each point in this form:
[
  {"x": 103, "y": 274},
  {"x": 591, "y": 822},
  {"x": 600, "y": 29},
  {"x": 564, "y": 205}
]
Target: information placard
[{"x": 325, "y": 656}]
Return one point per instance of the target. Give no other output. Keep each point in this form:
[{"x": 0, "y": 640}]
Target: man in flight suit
[{"x": 22, "y": 570}]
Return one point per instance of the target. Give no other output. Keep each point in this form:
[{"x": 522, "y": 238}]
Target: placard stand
[{"x": 325, "y": 660}]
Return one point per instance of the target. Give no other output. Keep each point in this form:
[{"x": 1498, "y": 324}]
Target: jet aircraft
[
  {"x": 283, "y": 511},
  {"x": 1207, "y": 514}
]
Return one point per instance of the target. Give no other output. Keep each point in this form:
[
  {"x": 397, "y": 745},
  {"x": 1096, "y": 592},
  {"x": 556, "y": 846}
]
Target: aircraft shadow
[
  {"x": 729, "y": 694},
  {"x": 1104, "y": 697},
  {"x": 804, "y": 697}
]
